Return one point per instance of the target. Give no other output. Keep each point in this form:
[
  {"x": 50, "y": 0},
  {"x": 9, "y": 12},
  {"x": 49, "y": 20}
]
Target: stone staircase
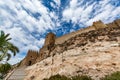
[{"x": 17, "y": 74}]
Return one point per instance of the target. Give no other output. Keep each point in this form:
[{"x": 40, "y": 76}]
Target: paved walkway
[{"x": 18, "y": 74}]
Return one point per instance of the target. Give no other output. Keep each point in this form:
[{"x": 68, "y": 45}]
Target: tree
[{"x": 6, "y": 47}]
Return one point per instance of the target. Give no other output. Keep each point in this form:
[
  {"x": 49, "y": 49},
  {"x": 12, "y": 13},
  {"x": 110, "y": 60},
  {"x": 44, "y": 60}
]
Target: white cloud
[
  {"x": 82, "y": 13},
  {"x": 17, "y": 17},
  {"x": 73, "y": 4},
  {"x": 16, "y": 59}
]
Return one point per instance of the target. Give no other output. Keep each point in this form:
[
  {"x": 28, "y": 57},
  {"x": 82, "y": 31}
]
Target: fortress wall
[
  {"x": 63, "y": 38},
  {"x": 96, "y": 25}
]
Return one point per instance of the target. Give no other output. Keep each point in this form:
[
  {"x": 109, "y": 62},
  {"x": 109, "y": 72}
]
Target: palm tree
[{"x": 6, "y": 46}]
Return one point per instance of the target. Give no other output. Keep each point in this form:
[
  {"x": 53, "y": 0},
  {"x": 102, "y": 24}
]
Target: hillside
[{"x": 94, "y": 53}]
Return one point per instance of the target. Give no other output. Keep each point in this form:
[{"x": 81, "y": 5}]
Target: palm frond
[
  {"x": 2, "y": 56},
  {"x": 6, "y": 46},
  {"x": 8, "y": 56}
]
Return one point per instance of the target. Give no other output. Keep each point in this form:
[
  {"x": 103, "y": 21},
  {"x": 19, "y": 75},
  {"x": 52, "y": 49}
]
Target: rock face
[
  {"x": 51, "y": 41},
  {"x": 95, "y": 53}
]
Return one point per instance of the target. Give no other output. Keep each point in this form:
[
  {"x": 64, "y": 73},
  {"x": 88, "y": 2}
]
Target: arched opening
[{"x": 29, "y": 63}]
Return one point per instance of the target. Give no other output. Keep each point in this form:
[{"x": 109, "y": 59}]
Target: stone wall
[
  {"x": 102, "y": 34},
  {"x": 96, "y": 25},
  {"x": 65, "y": 37}
]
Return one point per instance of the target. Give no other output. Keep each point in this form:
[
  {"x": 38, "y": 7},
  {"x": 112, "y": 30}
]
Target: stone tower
[
  {"x": 48, "y": 46},
  {"x": 30, "y": 59},
  {"x": 50, "y": 39}
]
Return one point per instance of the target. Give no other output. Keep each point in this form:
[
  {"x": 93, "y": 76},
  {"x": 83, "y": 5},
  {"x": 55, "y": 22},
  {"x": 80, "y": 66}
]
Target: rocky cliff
[
  {"x": 94, "y": 52},
  {"x": 52, "y": 42}
]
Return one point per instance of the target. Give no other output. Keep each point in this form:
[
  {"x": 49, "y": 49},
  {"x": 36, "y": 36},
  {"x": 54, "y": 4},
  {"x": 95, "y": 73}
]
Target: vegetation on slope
[
  {"x": 113, "y": 76},
  {"x": 4, "y": 68},
  {"x": 59, "y": 77}
]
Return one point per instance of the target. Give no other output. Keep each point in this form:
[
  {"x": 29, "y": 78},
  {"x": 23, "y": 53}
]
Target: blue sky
[{"x": 28, "y": 21}]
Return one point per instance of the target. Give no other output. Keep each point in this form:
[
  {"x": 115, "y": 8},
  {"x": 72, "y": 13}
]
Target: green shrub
[
  {"x": 4, "y": 68},
  {"x": 83, "y": 77},
  {"x": 113, "y": 76},
  {"x": 59, "y": 77}
]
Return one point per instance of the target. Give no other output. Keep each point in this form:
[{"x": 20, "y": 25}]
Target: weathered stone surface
[{"x": 96, "y": 60}]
